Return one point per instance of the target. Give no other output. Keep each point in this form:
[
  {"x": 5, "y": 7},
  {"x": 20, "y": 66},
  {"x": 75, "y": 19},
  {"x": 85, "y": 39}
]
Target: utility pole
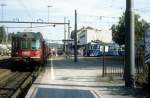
[
  {"x": 129, "y": 45},
  {"x": 68, "y": 42},
  {"x": 31, "y": 26},
  {"x": 2, "y": 19},
  {"x": 69, "y": 29},
  {"x": 2, "y": 11},
  {"x": 65, "y": 36},
  {"x": 75, "y": 38},
  {"x": 48, "y": 13}
]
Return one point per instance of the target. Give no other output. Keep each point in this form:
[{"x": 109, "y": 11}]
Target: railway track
[{"x": 16, "y": 84}]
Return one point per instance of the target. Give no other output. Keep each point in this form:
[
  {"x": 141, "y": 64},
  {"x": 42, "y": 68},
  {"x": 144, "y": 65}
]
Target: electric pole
[
  {"x": 68, "y": 42},
  {"x": 65, "y": 36},
  {"x": 75, "y": 38},
  {"x": 2, "y": 11},
  {"x": 69, "y": 29},
  {"x": 48, "y": 13},
  {"x": 129, "y": 45}
]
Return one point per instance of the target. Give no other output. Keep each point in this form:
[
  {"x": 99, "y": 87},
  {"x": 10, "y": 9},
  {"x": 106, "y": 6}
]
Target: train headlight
[{"x": 17, "y": 53}]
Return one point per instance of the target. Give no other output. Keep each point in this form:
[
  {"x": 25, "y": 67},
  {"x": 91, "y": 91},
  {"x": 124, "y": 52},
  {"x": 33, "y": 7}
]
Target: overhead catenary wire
[
  {"x": 32, "y": 26},
  {"x": 98, "y": 20},
  {"x": 99, "y": 16},
  {"x": 142, "y": 10},
  {"x": 26, "y": 9}
]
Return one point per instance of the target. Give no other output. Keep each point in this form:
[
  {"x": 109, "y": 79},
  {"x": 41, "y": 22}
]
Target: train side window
[
  {"x": 28, "y": 43},
  {"x": 18, "y": 44},
  {"x": 35, "y": 44},
  {"x": 24, "y": 44}
]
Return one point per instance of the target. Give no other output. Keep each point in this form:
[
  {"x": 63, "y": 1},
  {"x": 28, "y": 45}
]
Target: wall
[{"x": 87, "y": 35}]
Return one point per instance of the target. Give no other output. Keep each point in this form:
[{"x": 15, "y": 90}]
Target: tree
[
  {"x": 2, "y": 34},
  {"x": 118, "y": 31}
]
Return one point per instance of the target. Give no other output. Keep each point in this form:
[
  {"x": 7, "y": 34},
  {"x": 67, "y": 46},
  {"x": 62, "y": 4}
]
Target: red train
[{"x": 29, "y": 47}]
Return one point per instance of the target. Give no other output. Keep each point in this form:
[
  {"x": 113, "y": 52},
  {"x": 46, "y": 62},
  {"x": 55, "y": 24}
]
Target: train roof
[{"x": 34, "y": 35}]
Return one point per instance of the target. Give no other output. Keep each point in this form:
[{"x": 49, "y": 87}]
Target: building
[{"x": 86, "y": 35}]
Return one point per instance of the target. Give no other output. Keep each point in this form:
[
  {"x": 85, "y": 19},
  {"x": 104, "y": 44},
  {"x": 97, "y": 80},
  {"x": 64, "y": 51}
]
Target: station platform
[
  {"x": 4, "y": 57},
  {"x": 65, "y": 79}
]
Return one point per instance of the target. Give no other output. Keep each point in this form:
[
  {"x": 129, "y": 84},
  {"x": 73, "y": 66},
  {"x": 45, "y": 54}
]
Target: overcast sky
[{"x": 89, "y": 12}]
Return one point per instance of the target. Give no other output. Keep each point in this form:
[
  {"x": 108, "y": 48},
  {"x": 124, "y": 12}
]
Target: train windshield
[
  {"x": 35, "y": 44},
  {"x": 25, "y": 44}
]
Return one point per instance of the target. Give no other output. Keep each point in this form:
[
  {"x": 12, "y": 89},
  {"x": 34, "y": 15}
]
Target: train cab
[{"x": 27, "y": 47}]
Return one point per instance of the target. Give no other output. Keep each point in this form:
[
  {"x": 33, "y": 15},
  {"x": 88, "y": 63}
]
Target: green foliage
[
  {"x": 141, "y": 77},
  {"x": 2, "y": 34},
  {"x": 118, "y": 31}
]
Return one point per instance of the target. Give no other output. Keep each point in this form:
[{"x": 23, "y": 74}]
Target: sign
[
  {"x": 147, "y": 44},
  {"x": 25, "y": 53}
]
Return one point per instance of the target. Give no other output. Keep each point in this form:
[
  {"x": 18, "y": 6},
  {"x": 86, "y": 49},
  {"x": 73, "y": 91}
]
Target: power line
[
  {"x": 142, "y": 10},
  {"x": 30, "y": 22},
  {"x": 98, "y": 22},
  {"x": 32, "y": 27},
  {"x": 100, "y": 16},
  {"x": 26, "y": 9}
]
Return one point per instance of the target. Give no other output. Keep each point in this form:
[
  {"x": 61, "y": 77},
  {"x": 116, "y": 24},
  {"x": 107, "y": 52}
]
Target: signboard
[
  {"x": 147, "y": 44},
  {"x": 26, "y": 53}
]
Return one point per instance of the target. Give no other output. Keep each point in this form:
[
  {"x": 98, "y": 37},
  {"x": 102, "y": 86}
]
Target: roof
[{"x": 36, "y": 35}]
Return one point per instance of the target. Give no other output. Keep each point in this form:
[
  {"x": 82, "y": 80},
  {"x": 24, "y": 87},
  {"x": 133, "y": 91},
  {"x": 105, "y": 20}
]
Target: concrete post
[
  {"x": 75, "y": 39},
  {"x": 130, "y": 45}
]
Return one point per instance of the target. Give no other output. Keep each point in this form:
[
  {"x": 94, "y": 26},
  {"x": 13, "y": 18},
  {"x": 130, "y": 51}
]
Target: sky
[{"x": 100, "y": 14}]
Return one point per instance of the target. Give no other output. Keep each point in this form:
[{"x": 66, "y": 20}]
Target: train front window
[
  {"x": 25, "y": 44},
  {"x": 35, "y": 44}
]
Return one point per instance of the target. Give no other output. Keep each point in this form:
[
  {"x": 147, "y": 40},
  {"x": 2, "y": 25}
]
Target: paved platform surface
[
  {"x": 65, "y": 79},
  {"x": 4, "y": 57}
]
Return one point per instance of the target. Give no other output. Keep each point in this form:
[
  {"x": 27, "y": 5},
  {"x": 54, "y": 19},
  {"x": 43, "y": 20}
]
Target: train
[
  {"x": 95, "y": 49},
  {"x": 29, "y": 47}
]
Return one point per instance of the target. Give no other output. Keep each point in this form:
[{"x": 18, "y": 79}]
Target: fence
[
  {"x": 117, "y": 68},
  {"x": 113, "y": 66}
]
